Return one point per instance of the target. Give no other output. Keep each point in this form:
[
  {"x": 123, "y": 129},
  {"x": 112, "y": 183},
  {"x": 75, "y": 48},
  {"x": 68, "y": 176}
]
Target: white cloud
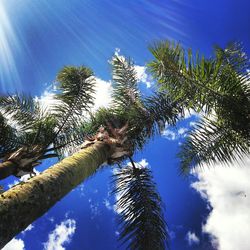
[
  {"x": 172, "y": 235},
  {"x": 192, "y": 239},
  {"x": 190, "y": 112},
  {"x": 15, "y": 244},
  {"x": 227, "y": 191},
  {"x": 28, "y": 228},
  {"x": 182, "y": 131},
  {"x": 51, "y": 219},
  {"x": 103, "y": 90},
  {"x": 192, "y": 124},
  {"x": 107, "y": 204},
  {"x": 81, "y": 190},
  {"x": 143, "y": 76},
  {"x": 94, "y": 208},
  {"x": 103, "y": 93},
  {"x": 61, "y": 235},
  {"x": 172, "y": 135},
  {"x": 169, "y": 134},
  {"x": 10, "y": 185},
  {"x": 47, "y": 100}
]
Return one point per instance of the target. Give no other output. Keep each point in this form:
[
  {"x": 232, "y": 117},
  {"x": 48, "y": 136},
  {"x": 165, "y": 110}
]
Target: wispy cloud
[
  {"x": 192, "y": 239},
  {"x": 172, "y": 134},
  {"x": 61, "y": 235},
  {"x": 107, "y": 204},
  {"x": 94, "y": 208},
  {"x": 30, "y": 227}
]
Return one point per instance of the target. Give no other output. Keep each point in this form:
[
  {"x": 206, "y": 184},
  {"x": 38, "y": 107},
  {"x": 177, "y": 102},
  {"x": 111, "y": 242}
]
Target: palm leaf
[
  {"x": 140, "y": 218},
  {"x": 75, "y": 96},
  {"x": 9, "y": 140},
  {"x": 125, "y": 93},
  {"x": 21, "y": 109},
  {"x": 210, "y": 142},
  {"x": 197, "y": 82}
]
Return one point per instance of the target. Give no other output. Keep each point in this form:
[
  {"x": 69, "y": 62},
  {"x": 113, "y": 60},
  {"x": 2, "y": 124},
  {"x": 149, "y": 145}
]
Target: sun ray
[{"x": 9, "y": 76}]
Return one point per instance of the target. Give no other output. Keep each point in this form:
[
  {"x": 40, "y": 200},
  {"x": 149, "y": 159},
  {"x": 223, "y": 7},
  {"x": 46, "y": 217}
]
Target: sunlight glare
[{"x": 8, "y": 41}]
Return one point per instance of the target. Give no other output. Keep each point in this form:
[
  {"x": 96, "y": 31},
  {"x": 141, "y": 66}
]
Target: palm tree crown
[{"x": 218, "y": 87}]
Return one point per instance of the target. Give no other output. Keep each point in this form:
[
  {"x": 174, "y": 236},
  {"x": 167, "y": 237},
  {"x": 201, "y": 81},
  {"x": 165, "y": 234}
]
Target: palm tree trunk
[
  {"x": 7, "y": 168},
  {"x": 24, "y": 203}
]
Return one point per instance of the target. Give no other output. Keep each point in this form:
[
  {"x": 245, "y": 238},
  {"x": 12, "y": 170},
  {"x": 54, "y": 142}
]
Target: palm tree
[
  {"x": 218, "y": 87},
  {"x": 113, "y": 135},
  {"x": 38, "y": 131}
]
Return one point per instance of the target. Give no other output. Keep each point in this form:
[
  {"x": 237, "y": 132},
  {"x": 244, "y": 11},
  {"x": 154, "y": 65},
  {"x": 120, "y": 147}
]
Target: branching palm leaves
[
  {"x": 127, "y": 126},
  {"x": 146, "y": 116},
  {"x": 8, "y": 138},
  {"x": 75, "y": 100},
  {"x": 220, "y": 87},
  {"x": 39, "y": 131},
  {"x": 141, "y": 220},
  {"x": 139, "y": 206}
]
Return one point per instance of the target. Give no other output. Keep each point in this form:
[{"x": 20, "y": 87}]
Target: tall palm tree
[
  {"x": 114, "y": 134},
  {"x": 38, "y": 131},
  {"x": 218, "y": 87}
]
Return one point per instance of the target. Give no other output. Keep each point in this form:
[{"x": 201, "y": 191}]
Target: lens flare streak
[{"x": 8, "y": 43}]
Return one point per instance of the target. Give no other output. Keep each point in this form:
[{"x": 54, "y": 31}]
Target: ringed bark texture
[{"x": 26, "y": 202}]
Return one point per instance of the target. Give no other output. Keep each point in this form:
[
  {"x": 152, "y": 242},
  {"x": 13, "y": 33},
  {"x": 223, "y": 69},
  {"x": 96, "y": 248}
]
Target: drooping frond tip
[
  {"x": 212, "y": 141},
  {"x": 139, "y": 206}
]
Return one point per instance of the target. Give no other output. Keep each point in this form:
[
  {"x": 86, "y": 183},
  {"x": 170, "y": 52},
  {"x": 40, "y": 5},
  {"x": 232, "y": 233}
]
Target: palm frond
[
  {"x": 21, "y": 109},
  {"x": 197, "y": 82},
  {"x": 141, "y": 219},
  {"x": 76, "y": 96},
  {"x": 8, "y": 137},
  {"x": 218, "y": 85},
  {"x": 125, "y": 93},
  {"x": 161, "y": 109},
  {"x": 212, "y": 141}
]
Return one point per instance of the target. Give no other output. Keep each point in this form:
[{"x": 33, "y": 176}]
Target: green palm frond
[
  {"x": 125, "y": 93},
  {"x": 21, "y": 109},
  {"x": 28, "y": 124},
  {"x": 212, "y": 141},
  {"x": 141, "y": 219},
  {"x": 76, "y": 86},
  {"x": 102, "y": 117},
  {"x": 197, "y": 82},
  {"x": 161, "y": 109},
  {"x": 8, "y": 137},
  {"x": 75, "y": 96},
  {"x": 145, "y": 116},
  {"x": 218, "y": 85}
]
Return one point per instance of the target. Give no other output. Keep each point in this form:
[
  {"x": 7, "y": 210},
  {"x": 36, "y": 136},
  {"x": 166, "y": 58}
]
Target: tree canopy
[{"x": 218, "y": 88}]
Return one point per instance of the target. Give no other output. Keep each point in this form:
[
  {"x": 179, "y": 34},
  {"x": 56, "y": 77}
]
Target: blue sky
[{"x": 37, "y": 38}]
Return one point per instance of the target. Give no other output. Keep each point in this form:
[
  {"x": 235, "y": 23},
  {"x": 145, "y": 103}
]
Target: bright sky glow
[{"x": 8, "y": 41}]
